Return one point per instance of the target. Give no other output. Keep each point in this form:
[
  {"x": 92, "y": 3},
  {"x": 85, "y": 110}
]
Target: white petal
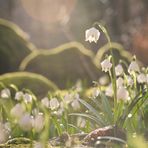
[
  {"x": 26, "y": 122},
  {"x": 17, "y": 111},
  {"x": 118, "y": 69},
  {"x": 122, "y": 94},
  {"x": 19, "y": 95},
  {"x": 38, "y": 122},
  {"x": 27, "y": 98},
  {"x": 45, "y": 102},
  {"x": 120, "y": 82},
  {"x": 92, "y": 35},
  {"x": 106, "y": 65},
  {"x": 5, "y": 93},
  {"x": 75, "y": 104},
  {"x": 133, "y": 67},
  {"x": 141, "y": 78},
  {"x": 54, "y": 103},
  {"x": 109, "y": 91}
]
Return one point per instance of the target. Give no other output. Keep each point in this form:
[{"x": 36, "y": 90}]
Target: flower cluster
[
  {"x": 123, "y": 80},
  {"x": 28, "y": 113},
  {"x": 127, "y": 80},
  {"x": 23, "y": 114}
]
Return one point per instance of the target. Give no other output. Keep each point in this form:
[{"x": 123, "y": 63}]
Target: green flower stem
[
  {"x": 113, "y": 75},
  {"x": 115, "y": 109},
  {"x": 135, "y": 81}
]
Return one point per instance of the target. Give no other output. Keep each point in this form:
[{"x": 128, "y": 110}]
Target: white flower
[
  {"x": 92, "y": 35},
  {"x": 130, "y": 81},
  {"x": 45, "y": 102},
  {"x": 109, "y": 91},
  {"x": 54, "y": 104},
  {"x": 26, "y": 122},
  {"x": 122, "y": 94},
  {"x": 5, "y": 93},
  {"x": 75, "y": 104},
  {"x": 120, "y": 82},
  {"x": 38, "y": 122},
  {"x": 19, "y": 95},
  {"x": 17, "y": 111},
  {"x": 67, "y": 98},
  {"x": 106, "y": 65},
  {"x": 103, "y": 80},
  {"x": 141, "y": 78},
  {"x": 61, "y": 109},
  {"x": 27, "y": 98},
  {"x": 133, "y": 67},
  {"x": 81, "y": 122},
  {"x": 119, "y": 70},
  {"x": 95, "y": 92}
]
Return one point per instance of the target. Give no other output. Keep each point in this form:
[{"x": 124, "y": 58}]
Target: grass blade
[
  {"x": 93, "y": 111},
  {"x": 107, "y": 108}
]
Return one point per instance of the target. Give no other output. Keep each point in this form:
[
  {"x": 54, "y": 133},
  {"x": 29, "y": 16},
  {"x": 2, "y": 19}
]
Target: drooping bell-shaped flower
[
  {"x": 25, "y": 122},
  {"x": 109, "y": 91},
  {"x": 92, "y": 35},
  {"x": 45, "y": 102},
  {"x": 68, "y": 98},
  {"x": 27, "y": 98},
  {"x": 119, "y": 70},
  {"x": 120, "y": 82},
  {"x": 133, "y": 67},
  {"x": 75, "y": 104},
  {"x": 17, "y": 111},
  {"x": 5, "y": 93},
  {"x": 38, "y": 122},
  {"x": 19, "y": 95},
  {"x": 106, "y": 65},
  {"x": 141, "y": 78},
  {"x": 122, "y": 94},
  {"x": 54, "y": 104},
  {"x": 130, "y": 81}
]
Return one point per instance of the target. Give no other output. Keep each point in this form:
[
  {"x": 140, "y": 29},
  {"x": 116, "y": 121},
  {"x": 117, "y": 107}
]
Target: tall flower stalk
[
  {"x": 112, "y": 74},
  {"x": 94, "y": 37}
]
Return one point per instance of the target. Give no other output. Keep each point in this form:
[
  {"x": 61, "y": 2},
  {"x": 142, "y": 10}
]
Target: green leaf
[
  {"x": 138, "y": 99},
  {"x": 107, "y": 109},
  {"x": 93, "y": 111},
  {"x": 93, "y": 118},
  {"x": 57, "y": 125}
]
